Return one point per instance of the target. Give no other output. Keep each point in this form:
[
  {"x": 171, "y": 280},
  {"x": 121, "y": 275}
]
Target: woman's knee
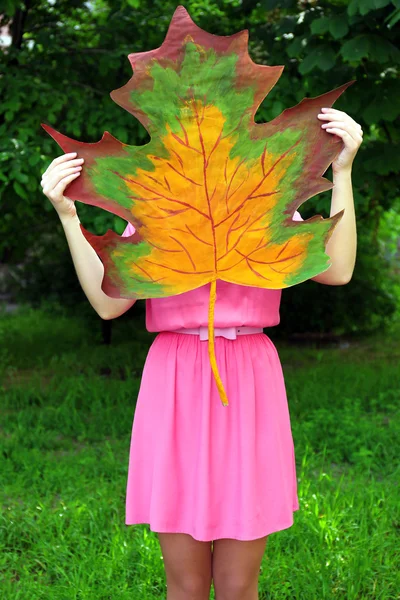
[
  {"x": 187, "y": 564},
  {"x": 236, "y": 587},
  {"x": 236, "y": 568},
  {"x": 190, "y": 586}
]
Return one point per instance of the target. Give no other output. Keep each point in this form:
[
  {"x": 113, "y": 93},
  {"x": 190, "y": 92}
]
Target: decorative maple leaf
[{"x": 212, "y": 195}]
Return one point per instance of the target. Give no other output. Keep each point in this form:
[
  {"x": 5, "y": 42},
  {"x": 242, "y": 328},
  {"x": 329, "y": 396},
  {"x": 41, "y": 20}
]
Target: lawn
[{"x": 67, "y": 404}]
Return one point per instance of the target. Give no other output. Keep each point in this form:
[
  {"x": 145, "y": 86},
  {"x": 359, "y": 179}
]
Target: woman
[{"x": 213, "y": 481}]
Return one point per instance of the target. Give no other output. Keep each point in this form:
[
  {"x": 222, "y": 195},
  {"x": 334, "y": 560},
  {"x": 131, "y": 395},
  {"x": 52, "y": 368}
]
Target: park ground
[{"x": 67, "y": 407}]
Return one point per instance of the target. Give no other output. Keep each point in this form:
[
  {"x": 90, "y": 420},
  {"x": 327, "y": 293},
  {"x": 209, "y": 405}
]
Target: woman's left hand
[{"x": 339, "y": 123}]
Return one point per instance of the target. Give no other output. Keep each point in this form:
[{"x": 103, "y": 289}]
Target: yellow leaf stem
[{"x": 211, "y": 344}]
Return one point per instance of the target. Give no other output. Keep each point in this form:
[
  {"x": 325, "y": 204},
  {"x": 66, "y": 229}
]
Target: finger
[
  {"x": 59, "y": 160},
  {"x": 342, "y": 125},
  {"x": 352, "y": 131},
  {"x": 58, "y": 191},
  {"x": 334, "y": 111},
  {"x": 337, "y": 131},
  {"x": 50, "y": 185},
  {"x": 345, "y": 135},
  {"x": 62, "y": 168},
  {"x": 62, "y": 164},
  {"x": 333, "y": 124},
  {"x": 338, "y": 115},
  {"x": 331, "y": 110},
  {"x": 63, "y": 157},
  {"x": 52, "y": 179}
]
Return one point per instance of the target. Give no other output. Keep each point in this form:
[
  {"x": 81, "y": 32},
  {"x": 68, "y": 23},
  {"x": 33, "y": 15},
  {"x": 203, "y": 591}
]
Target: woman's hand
[
  {"x": 61, "y": 171},
  {"x": 339, "y": 123}
]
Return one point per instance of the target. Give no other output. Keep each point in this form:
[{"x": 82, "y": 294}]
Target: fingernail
[{"x": 72, "y": 154}]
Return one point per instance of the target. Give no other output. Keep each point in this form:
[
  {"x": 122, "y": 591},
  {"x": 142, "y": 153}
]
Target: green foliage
[
  {"x": 367, "y": 303},
  {"x": 66, "y": 58}
]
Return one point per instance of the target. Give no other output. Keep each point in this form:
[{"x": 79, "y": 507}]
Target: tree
[{"x": 65, "y": 58}]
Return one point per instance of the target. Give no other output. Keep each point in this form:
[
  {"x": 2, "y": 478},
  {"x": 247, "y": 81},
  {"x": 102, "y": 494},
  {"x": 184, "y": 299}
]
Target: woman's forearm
[
  {"x": 342, "y": 245},
  {"x": 90, "y": 272}
]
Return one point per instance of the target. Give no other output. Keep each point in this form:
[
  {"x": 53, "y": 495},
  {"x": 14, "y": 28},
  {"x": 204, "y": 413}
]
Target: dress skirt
[{"x": 202, "y": 468}]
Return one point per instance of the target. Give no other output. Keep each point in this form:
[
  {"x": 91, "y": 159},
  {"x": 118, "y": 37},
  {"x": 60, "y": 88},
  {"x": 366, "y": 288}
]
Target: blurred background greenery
[
  {"x": 68, "y": 388},
  {"x": 61, "y": 61}
]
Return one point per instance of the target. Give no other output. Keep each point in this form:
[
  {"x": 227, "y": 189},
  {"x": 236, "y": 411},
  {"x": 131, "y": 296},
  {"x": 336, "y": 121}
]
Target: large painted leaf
[{"x": 212, "y": 195}]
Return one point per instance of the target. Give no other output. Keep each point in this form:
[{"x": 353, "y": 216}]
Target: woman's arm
[
  {"x": 90, "y": 271},
  {"x": 342, "y": 245},
  {"x": 88, "y": 266}
]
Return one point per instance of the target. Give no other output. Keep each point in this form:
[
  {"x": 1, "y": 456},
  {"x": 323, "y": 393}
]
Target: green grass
[{"x": 67, "y": 404}]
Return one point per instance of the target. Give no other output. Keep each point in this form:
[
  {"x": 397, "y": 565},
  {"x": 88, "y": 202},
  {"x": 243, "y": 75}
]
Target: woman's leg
[
  {"x": 187, "y": 564},
  {"x": 236, "y": 567}
]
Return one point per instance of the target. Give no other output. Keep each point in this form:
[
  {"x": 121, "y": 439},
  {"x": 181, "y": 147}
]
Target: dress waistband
[{"x": 228, "y": 332}]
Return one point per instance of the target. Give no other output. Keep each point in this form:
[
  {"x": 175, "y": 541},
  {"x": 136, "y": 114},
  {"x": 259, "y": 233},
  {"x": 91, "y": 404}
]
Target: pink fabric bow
[{"x": 226, "y": 332}]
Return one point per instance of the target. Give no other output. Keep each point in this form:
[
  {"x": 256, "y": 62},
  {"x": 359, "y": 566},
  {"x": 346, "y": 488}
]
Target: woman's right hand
[{"x": 61, "y": 171}]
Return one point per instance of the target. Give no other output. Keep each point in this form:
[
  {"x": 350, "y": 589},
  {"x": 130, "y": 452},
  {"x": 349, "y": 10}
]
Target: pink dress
[{"x": 196, "y": 466}]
